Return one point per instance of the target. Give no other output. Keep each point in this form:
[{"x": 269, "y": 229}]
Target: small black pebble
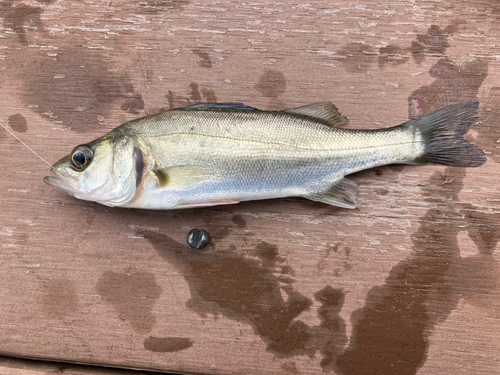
[{"x": 198, "y": 238}]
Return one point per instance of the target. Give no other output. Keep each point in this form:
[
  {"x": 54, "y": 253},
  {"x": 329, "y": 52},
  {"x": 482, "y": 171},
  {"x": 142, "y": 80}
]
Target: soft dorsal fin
[
  {"x": 219, "y": 106},
  {"x": 324, "y": 111}
]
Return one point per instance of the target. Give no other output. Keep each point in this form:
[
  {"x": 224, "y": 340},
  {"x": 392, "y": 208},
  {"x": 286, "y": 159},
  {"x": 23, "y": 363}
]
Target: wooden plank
[
  {"x": 407, "y": 283},
  {"x": 20, "y": 366}
]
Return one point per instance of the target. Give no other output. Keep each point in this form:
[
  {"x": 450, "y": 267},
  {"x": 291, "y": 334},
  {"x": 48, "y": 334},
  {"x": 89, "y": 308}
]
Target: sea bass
[{"x": 212, "y": 154}]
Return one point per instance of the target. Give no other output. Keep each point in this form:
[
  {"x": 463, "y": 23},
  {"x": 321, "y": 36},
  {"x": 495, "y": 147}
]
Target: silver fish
[{"x": 211, "y": 154}]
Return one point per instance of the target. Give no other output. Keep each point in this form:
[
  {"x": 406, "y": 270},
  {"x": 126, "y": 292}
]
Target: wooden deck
[{"x": 408, "y": 283}]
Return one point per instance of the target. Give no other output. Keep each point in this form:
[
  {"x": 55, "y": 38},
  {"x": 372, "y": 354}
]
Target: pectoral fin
[
  {"x": 180, "y": 177},
  {"x": 342, "y": 194}
]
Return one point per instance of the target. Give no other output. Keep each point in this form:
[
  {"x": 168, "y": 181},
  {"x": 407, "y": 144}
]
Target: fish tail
[{"x": 442, "y": 135}]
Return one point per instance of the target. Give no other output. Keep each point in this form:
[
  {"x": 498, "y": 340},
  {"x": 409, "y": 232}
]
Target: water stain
[
  {"x": 392, "y": 55},
  {"x": 161, "y": 6},
  {"x": 59, "y": 298},
  {"x": 20, "y": 18},
  {"x": 330, "y": 335},
  {"x": 272, "y": 84},
  {"x": 167, "y": 344},
  {"x": 77, "y": 88},
  {"x": 239, "y": 221},
  {"x": 205, "y": 61},
  {"x": 357, "y": 57},
  {"x": 453, "y": 84},
  {"x": 195, "y": 95},
  {"x": 132, "y": 294},
  {"x": 289, "y": 367},
  {"x": 250, "y": 289},
  {"x": 390, "y": 333},
  {"x": 18, "y": 123},
  {"x": 489, "y": 138},
  {"x": 134, "y": 102},
  {"x": 433, "y": 42}
]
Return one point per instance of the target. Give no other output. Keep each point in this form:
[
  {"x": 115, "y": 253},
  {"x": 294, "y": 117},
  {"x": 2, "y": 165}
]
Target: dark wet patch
[
  {"x": 161, "y": 6},
  {"x": 167, "y": 344},
  {"x": 489, "y": 113},
  {"x": 77, "y": 88},
  {"x": 433, "y": 42},
  {"x": 239, "y": 221},
  {"x": 390, "y": 333},
  {"x": 249, "y": 289},
  {"x": 289, "y": 367},
  {"x": 20, "y": 18},
  {"x": 46, "y": 1},
  {"x": 195, "y": 95},
  {"x": 483, "y": 228},
  {"x": 59, "y": 298},
  {"x": 272, "y": 84},
  {"x": 134, "y": 102},
  {"x": 392, "y": 55},
  {"x": 453, "y": 84},
  {"x": 356, "y": 57},
  {"x": 18, "y": 123},
  {"x": 205, "y": 61},
  {"x": 396, "y": 167},
  {"x": 330, "y": 334},
  {"x": 132, "y": 294}
]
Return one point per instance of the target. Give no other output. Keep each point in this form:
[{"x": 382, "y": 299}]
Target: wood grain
[{"x": 407, "y": 283}]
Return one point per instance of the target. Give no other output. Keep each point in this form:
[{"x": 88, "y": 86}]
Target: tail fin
[{"x": 442, "y": 133}]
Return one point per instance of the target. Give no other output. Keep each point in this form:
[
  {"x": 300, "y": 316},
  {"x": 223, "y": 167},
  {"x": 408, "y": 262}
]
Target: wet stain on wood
[
  {"x": 76, "y": 88},
  {"x": 20, "y": 17},
  {"x": 18, "y": 123},
  {"x": 249, "y": 289},
  {"x": 205, "y": 60},
  {"x": 196, "y": 95},
  {"x": 132, "y": 294},
  {"x": 167, "y": 344},
  {"x": 239, "y": 221},
  {"x": 390, "y": 334}
]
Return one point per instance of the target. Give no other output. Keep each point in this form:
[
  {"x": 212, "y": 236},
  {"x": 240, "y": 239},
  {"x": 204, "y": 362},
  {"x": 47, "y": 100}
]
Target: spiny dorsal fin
[
  {"x": 342, "y": 194},
  {"x": 324, "y": 111},
  {"x": 219, "y": 106}
]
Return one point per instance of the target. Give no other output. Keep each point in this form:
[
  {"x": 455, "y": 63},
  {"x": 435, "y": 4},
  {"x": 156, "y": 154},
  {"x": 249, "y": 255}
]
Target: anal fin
[{"x": 342, "y": 194}]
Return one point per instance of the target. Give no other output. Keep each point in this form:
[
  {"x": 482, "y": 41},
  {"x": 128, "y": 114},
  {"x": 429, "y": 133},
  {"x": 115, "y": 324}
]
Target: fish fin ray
[
  {"x": 324, "y": 111},
  {"x": 342, "y": 194},
  {"x": 219, "y": 106},
  {"x": 442, "y": 134}
]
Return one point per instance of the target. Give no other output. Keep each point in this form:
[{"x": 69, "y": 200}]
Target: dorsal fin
[
  {"x": 324, "y": 111},
  {"x": 219, "y": 106}
]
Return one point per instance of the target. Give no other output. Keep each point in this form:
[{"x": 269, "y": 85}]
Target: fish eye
[{"x": 81, "y": 157}]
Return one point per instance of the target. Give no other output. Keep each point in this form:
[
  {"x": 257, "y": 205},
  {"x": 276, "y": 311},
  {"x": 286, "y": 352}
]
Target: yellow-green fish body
[{"x": 213, "y": 154}]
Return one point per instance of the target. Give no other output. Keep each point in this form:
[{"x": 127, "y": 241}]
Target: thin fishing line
[{"x": 25, "y": 145}]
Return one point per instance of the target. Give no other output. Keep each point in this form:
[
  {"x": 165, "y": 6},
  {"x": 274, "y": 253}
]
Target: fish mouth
[
  {"x": 52, "y": 181},
  {"x": 59, "y": 184}
]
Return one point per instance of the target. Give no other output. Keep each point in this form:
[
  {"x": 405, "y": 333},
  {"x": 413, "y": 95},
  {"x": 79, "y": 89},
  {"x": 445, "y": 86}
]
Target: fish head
[{"x": 108, "y": 171}]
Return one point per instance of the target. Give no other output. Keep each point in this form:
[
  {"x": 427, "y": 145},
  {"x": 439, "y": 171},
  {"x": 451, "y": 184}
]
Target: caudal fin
[{"x": 443, "y": 133}]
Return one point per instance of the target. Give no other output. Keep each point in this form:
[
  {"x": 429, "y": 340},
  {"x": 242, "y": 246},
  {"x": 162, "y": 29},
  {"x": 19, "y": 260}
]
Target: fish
[{"x": 225, "y": 153}]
